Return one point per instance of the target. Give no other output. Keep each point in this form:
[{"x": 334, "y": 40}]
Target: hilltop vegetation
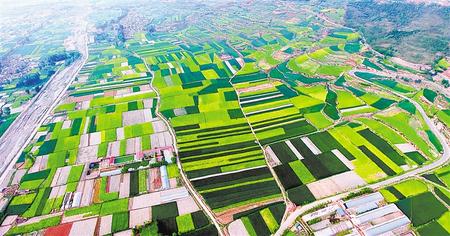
[{"x": 416, "y": 32}]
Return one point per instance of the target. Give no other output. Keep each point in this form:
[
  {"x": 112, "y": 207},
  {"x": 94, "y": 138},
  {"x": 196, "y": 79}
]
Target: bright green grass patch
[
  {"x": 31, "y": 184},
  {"x": 115, "y": 206},
  {"x": 444, "y": 174},
  {"x": 370, "y": 98},
  {"x": 388, "y": 196},
  {"x": 185, "y": 223},
  {"x": 101, "y": 101},
  {"x": 119, "y": 222},
  {"x": 444, "y": 221},
  {"x": 309, "y": 68},
  {"x": 266, "y": 134},
  {"x": 138, "y": 130},
  {"x": 364, "y": 167},
  {"x": 318, "y": 119},
  {"x": 45, "y": 223},
  {"x": 249, "y": 67},
  {"x": 219, "y": 161},
  {"x": 68, "y": 143},
  {"x": 270, "y": 220},
  {"x": 210, "y": 74},
  {"x": 143, "y": 174},
  {"x": 443, "y": 64},
  {"x": 248, "y": 226},
  {"x": 411, "y": 187},
  {"x": 317, "y": 91},
  {"x": 346, "y": 100},
  {"x": 302, "y": 172},
  {"x": 145, "y": 142},
  {"x": 203, "y": 59},
  {"x": 302, "y": 101},
  {"x": 320, "y": 54},
  {"x": 102, "y": 149},
  {"x": 75, "y": 173},
  {"x": 66, "y": 107},
  {"x": 332, "y": 70},
  {"x": 56, "y": 160},
  {"x": 172, "y": 170},
  {"x": 109, "y": 121},
  {"x": 71, "y": 187},
  {"x": 383, "y": 130},
  {"x": 109, "y": 135},
  {"x": 23, "y": 199},
  {"x": 444, "y": 116},
  {"x": 401, "y": 122},
  {"x": 176, "y": 101},
  {"x": 149, "y": 229}
]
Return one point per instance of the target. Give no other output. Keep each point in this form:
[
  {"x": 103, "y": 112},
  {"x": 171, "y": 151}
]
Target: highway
[
  {"x": 22, "y": 130},
  {"x": 439, "y": 162}
]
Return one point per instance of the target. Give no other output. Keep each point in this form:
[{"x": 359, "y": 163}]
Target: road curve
[{"x": 439, "y": 162}]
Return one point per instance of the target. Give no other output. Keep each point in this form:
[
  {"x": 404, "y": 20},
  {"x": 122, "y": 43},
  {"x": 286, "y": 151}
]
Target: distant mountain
[
  {"x": 439, "y": 2},
  {"x": 416, "y": 30}
]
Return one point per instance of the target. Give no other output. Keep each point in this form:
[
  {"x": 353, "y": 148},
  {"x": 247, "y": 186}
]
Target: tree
[
  {"x": 51, "y": 60},
  {"x": 445, "y": 83},
  {"x": 6, "y": 111},
  {"x": 29, "y": 80}
]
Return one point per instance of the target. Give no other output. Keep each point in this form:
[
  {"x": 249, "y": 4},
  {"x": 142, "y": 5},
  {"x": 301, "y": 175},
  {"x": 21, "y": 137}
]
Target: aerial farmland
[{"x": 231, "y": 118}]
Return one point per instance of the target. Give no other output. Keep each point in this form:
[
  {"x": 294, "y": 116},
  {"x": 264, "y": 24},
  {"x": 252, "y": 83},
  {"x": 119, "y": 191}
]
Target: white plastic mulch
[
  {"x": 84, "y": 227},
  {"x": 335, "y": 184},
  {"x": 237, "y": 228}
]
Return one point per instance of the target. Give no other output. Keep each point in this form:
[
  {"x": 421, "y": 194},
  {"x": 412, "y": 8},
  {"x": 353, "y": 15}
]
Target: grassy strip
[{"x": 45, "y": 223}]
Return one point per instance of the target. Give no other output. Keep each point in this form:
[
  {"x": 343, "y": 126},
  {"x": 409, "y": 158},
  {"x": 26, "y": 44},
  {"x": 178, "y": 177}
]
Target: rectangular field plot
[
  {"x": 316, "y": 165},
  {"x": 274, "y": 111},
  {"x": 427, "y": 213},
  {"x": 260, "y": 221}
]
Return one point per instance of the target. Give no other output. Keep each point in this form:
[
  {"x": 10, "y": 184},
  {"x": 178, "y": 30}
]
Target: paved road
[
  {"x": 439, "y": 162},
  {"x": 25, "y": 126}
]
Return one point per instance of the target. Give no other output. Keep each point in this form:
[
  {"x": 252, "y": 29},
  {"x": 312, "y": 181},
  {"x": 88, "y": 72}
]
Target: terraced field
[
  {"x": 216, "y": 146},
  {"x": 315, "y": 166},
  {"x": 205, "y": 124}
]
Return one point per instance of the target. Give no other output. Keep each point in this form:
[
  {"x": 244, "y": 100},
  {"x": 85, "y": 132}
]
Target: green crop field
[
  {"x": 419, "y": 204},
  {"x": 250, "y": 109}
]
